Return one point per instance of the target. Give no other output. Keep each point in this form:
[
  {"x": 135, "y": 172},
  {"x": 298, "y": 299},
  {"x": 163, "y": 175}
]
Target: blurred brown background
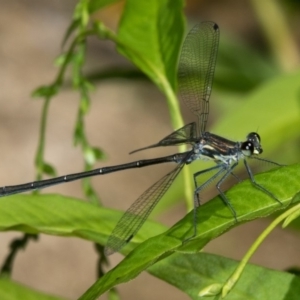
[{"x": 121, "y": 120}]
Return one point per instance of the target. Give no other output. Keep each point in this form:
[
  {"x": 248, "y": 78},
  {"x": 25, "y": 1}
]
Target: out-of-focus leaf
[
  {"x": 63, "y": 216},
  {"x": 45, "y": 91},
  {"x": 194, "y": 272},
  {"x": 153, "y": 46},
  {"x": 11, "y": 290},
  {"x": 95, "y": 5},
  {"x": 241, "y": 68},
  {"x": 91, "y": 155},
  {"x": 48, "y": 169},
  {"x": 273, "y": 110}
]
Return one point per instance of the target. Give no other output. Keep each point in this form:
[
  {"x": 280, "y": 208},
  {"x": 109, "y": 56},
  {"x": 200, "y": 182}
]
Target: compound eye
[
  {"x": 247, "y": 148},
  {"x": 253, "y": 137}
]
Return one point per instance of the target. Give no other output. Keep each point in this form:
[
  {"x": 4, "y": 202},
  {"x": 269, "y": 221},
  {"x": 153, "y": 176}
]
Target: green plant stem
[
  {"x": 238, "y": 271},
  {"x": 274, "y": 24},
  {"x": 15, "y": 246},
  {"x": 39, "y": 161},
  {"x": 177, "y": 122}
]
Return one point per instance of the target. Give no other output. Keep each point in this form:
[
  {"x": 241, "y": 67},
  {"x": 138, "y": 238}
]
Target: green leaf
[
  {"x": 95, "y": 5},
  {"x": 99, "y": 154},
  {"x": 92, "y": 154},
  {"x": 81, "y": 12},
  {"x": 60, "y": 60},
  {"x": 46, "y": 91},
  {"x": 89, "y": 155},
  {"x": 11, "y": 290},
  {"x": 153, "y": 46},
  {"x": 193, "y": 273},
  {"x": 214, "y": 218},
  {"x": 63, "y": 216},
  {"x": 48, "y": 169},
  {"x": 128, "y": 73},
  {"x": 113, "y": 295}
]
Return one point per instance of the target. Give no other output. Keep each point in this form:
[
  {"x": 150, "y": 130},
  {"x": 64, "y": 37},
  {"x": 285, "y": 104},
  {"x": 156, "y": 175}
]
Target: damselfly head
[{"x": 252, "y": 145}]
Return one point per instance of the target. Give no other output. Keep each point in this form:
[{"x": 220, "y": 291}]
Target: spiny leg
[
  {"x": 268, "y": 161},
  {"x": 238, "y": 179},
  {"x": 223, "y": 196},
  {"x": 257, "y": 185},
  {"x": 197, "y": 201}
]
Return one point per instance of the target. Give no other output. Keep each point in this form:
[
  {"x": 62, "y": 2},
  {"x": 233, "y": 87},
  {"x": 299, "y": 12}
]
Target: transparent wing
[
  {"x": 196, "y": 69},
  {"x": 186, "y": 134},
  {"x": 138, "y": 212}
]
